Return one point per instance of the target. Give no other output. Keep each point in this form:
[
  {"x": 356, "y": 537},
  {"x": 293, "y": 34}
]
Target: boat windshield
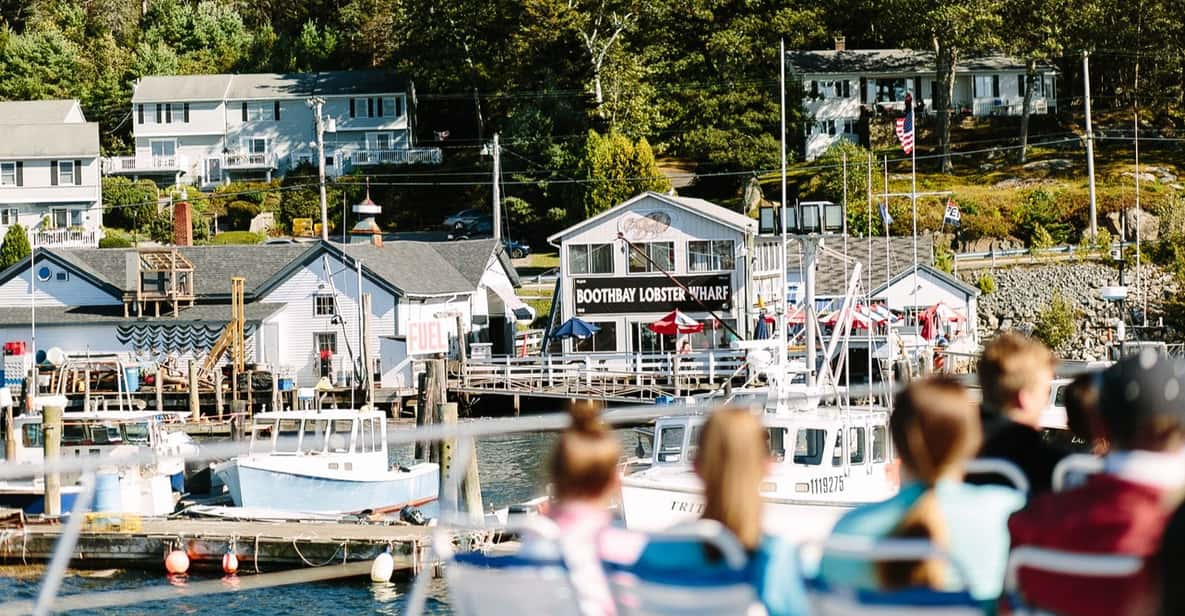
[
  {"x": 670, "y": 444},
  {"x": 809, "y": 446},
  {"x": 135, "y": 432},
  {"x": 315, "y": 431},
  {"x": 339, "y": 435},
  {"x": 288, "y": 436}
]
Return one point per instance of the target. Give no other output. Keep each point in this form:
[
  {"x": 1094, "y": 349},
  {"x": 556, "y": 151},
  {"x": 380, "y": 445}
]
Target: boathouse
[
  {"x": 611, "y": 274},
  {"x": 300, "y": 300}
]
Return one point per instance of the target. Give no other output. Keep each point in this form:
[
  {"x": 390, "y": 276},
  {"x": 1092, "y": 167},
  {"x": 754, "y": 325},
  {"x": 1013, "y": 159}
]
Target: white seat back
[
  {"x": 1071, "y": 564},
  {"x": 1074, "y": 469},
  {"x": 999, "y": 466},
  {"x": 832, "y": 599},
  {"x": 727, "y": 590}
]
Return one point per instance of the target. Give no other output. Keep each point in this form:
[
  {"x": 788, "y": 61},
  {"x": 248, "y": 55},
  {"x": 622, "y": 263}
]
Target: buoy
[
  {"x": 230, "y": 563},
  {"x": 383, "y": 567},
  {"x": 177, "y": 563}
]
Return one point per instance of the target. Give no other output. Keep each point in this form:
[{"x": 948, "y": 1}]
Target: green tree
[
  {"x": 1056, "y": 323},
  {"x": 37, "y": 65},
  {"x": 129, "y": 205},
  {"x": 15, "y": 247},
  {"x": 614, "y": 169}
]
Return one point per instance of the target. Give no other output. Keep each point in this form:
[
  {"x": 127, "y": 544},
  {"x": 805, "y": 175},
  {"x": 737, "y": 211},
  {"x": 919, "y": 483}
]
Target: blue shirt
[
  {"x": 772, "y": 569},
  {"x": 976, "y": 519}
]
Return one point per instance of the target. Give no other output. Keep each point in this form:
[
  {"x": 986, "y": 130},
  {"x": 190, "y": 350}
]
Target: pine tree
[
  {"x": 645, "y": 170},
  {"x": 15, "y": 247}
]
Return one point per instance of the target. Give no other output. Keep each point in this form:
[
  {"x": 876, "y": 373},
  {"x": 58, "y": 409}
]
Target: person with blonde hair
[
  {"x": 935, "y": 430},
  {"x": 1015, "y": 373},
  {"x": 731, "y": 460}
]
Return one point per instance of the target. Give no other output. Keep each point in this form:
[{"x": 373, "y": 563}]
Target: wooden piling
[
  {"x": 195, "y": 409},
  {"x": 276, "y": 405},
  {"x": 51, "y": 429},
  {"x": 86, "y": 390},
  {"x": 9, "y": 434},
  {"x": 250, "y": 391},
  {"x": 218, "y": 402},
  {"x": 160, "y": 388},
  {"x": 471, "y": 489},
  {"x": 446, "y": 413}
]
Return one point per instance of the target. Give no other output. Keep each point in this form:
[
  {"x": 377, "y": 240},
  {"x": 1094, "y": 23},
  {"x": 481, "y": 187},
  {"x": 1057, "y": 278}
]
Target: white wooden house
[
  {"x": 844, "y": 89},
  {"x": 209, "y": 129},
  {"x": 300, "y": 299},
  {"x": 49, "y": 172}
]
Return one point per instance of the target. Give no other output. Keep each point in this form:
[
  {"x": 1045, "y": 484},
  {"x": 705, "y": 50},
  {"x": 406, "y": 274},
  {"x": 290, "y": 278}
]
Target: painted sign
[
  {"x": 652, "y": 294},
  {"x": 428, "y": 337},
  {"x": 644, "y": 226}
]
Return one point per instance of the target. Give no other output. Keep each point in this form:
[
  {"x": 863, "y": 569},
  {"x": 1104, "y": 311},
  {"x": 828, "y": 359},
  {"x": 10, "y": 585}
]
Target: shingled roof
[
  {"x": 215, "y": 314},
  {"x": 830, "y": 278},
  {"x": 270, "y": 86},
  {"x": 895, "y": 61}
]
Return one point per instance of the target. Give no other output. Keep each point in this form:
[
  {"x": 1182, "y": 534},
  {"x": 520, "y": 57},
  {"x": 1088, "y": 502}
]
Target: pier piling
[
  {"x": 51, "y": 434},
  {"x": 160, "y": 388},
  {"x": 195, "y": 412}
]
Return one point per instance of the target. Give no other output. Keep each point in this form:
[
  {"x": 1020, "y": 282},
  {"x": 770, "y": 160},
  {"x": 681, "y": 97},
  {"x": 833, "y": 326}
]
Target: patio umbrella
[
  {"x": 575, "y": 328},
  {"x": 676, "y": 322}
]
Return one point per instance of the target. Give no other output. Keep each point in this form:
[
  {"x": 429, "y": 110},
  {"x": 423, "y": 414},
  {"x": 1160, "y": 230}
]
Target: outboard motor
[{"x": 413, "y": 516}]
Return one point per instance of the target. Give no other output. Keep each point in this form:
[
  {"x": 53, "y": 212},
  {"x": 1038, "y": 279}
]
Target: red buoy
[
  {"x": 177, "y": 562},
  {"x": 230, "y": 563}
]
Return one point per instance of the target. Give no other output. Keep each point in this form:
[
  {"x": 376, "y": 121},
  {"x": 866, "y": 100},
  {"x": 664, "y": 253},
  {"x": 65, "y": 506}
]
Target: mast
[
  {"x": 785, "y": 321},
  {"x": 913, "y": 197},
  {"x": 868, "y": 233},
  {"x": 1144, "y": 299}
]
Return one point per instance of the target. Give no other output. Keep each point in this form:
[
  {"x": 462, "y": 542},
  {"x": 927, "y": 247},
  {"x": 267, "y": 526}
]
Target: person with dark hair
[
  {"x": 1172, "y": 565},
  {"x": 732, "y": 460},
  {"x": 1124, "y": 509},
  {"x": 935, "y": 430},
  {"x": 1015, "y": 373},
  {"x": 1082, "y": 413}
]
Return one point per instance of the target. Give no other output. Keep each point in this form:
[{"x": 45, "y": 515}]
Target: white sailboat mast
[{"x": 784, "y": 321}]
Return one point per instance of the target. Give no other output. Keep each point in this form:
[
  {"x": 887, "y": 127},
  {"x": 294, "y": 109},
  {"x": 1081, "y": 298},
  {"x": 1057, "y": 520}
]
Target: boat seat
[
  {"x": 534, "y": 580},
  {"x": 999, "y": 467},
  {"x": 1073, "y": 470},
  {"x": 1061, "y": 562},
  {"x": 642, "y": 590},
  {"x": 828, "y": 598}
]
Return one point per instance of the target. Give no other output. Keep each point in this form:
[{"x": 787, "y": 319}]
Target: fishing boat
[
  {"x": 324, "y": 461},
  {"x": 145, "y": 488}
]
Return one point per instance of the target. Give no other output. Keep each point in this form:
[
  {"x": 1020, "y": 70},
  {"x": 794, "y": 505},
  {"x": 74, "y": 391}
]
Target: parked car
[
  {"x": 479, "y": 227},
  {"x": 517, "y": 249},
  {"x": 464, "y": 218}
]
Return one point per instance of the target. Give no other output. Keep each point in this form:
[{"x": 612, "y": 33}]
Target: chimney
[
  {"x": 839, "y": 43},
  {"x": 182, "y": 224},
  {"x": 366, "y": 225}
]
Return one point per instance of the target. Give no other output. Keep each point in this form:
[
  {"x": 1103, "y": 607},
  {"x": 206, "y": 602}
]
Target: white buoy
[{"x": 383, "y": 567}]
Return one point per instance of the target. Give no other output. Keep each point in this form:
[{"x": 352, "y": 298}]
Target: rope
[{"x": 310, "y": 564}]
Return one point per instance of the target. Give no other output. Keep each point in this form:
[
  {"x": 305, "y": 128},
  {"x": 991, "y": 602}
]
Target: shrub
[
  {"x": 986, "y": 283},
  {"x": 1040, "y": 239},
  {"x": 1056, "y": 322},
  {"x": 237, "y": 237},
  {"x": 115, "y": 240}
]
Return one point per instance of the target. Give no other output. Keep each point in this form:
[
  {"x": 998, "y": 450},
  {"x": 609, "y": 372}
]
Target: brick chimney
[
  {"x": 182, "y": 224},
  {"x": 840, "y": 44}
]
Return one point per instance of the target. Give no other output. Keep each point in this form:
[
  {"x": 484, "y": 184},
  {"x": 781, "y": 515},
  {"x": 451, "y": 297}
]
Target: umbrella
[
  {"x": 575, "y": 328},
  {"x": 761, "y": 331},
  {"x": 676, "y": 322}
]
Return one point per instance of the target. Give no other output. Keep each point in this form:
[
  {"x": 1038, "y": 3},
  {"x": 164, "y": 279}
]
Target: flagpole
[
  {"x": 888, "y": 278},
  {"x": 913, "y": 195},
  {"x": 868, "y": 233},
  {"x": 782, "y": 341},
  {"x": 888, "y": 251}
]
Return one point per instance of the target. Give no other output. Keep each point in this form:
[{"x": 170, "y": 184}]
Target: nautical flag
[
  {"x": 952, "y": 213},
  {"x": 885, "y": 216},
  {"x": 905, "y": 126}
]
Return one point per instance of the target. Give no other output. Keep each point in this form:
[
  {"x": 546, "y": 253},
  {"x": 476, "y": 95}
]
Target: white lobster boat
[{"x": 324, "y": 461}]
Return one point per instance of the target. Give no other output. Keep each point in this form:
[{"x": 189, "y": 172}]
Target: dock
[{"x": 259, "y": 546}]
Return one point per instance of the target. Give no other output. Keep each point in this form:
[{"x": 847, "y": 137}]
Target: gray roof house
[
  {"x": 844, "y": 89},
  {"x": 49, "y": 172},
  {"x": 207, "y": 129},
  {"x": 300, "y": 299}
]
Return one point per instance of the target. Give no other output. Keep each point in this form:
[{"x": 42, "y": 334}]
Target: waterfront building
[
  {"x": 210, "y": 129},
  {"x": 300, "y": 300},
  {"x": 621, "y": 290},
  {"x": 49, "y": 173},
  {"x": 845, "y": 91}
]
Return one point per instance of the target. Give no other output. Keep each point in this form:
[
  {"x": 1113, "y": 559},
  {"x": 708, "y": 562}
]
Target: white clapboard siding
[{"x": 74, "y": 291}]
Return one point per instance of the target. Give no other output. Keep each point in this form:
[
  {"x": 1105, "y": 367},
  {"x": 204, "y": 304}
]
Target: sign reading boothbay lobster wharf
[{"x": 652, "y": 294}]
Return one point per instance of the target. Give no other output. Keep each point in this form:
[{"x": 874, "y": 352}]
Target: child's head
[
  {"x": 584, "y": 462},
  {"x": 1014, "y": 374}
]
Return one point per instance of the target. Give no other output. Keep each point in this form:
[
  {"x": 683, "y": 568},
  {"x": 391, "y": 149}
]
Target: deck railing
[
  {"x": 406, "y": 156},
  {"x": 64, "y": 238}
]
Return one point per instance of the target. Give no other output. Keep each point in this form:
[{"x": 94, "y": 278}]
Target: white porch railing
[
  {"x": 143, "y": 164},
  {"x": 249, "y": 160},
  {"x": 64, "y": 238},
  {"x": 406, "y": 156},
  {"x": 1008, "y": 106}
]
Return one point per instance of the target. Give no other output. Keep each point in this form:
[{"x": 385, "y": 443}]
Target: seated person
[
  {"x": 732, "y": 461},
  {"x": 935, "y": 429},
  {"x": 1172, "y": 565},
  {"x": 1122, "y": 510},
  {"x": 1015, "y": 373},
  {"x": 1082, "y": 414}
]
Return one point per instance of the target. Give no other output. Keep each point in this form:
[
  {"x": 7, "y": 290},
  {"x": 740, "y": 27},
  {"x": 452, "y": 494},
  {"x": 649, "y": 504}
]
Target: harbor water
[{"x": 513, "y": 469}]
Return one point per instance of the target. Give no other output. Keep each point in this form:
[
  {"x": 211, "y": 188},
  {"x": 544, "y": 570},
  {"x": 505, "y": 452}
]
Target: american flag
[{"x": 905, "y": 126}]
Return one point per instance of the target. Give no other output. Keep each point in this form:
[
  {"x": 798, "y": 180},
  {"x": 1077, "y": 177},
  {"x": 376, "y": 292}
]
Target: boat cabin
[
  {"x": 86, "y": 434},
  {"x": 320, "y": 433}
]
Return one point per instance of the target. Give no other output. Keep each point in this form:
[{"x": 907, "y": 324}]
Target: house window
[
  {"x": 324, "y": 306},
  {"x": 276, "y": 111},
  {"x": 185, "y": 113},
  {"x": 382, "y": 106},
  {"x": 1020, "y": 84},
  {"x": 163, "y": 148},
  {"x": 9, "y": 216},
  {"x": 370, "y": 107},
  {"x": 65, "y": 172},
  {"x": 325, "y": 341},
  {"x": 260, "y": 111},
  {"x": 139, "y": 114},
  {"x": 380, "y": 141},
  {"x": 159, "y": 109},
  {"x": 75, "y": 218},
  {"x": 60, "y": 218},
  {"x": 353, "y": 108},
  {"x": 710, "y": 256},
  {"x": 8, "y": 174},
  {"x": 590, "y": 259},
  {"x": 168, "y": 113},
  {"x": 987, "y": 86},
  {"x": 890, "y": 90},
  {"x": 256, "y": 145},
  {"x": 661, "y": 257},
  {"x": 398, "y": 107},
  {"x": 845, "y": 88},
  {"x": 328, "y": 161},
  {"x": 604, "y": 341}
]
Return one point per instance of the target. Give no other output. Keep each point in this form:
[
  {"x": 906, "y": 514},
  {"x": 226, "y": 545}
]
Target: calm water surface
[{"x": 512, "y": 468}]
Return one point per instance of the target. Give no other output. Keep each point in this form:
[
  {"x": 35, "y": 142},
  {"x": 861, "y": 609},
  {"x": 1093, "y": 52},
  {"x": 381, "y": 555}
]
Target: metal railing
[{"x": 405, "y": 156}]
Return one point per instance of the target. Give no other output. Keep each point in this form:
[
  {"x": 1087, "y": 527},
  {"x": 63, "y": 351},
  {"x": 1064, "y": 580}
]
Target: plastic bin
[{"x": 131, "y": 374}]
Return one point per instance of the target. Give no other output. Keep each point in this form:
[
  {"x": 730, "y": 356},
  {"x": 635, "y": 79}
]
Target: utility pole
[
  {"x": 317, "y": 103},
  {"x": 1094, "y": 226},
  {"x": 496, "y": 151}
]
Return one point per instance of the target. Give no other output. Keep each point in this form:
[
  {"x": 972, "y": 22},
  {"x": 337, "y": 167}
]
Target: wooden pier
[
  {"x": 621, "y": 378},
  {"x": 259, "y": 546}
]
